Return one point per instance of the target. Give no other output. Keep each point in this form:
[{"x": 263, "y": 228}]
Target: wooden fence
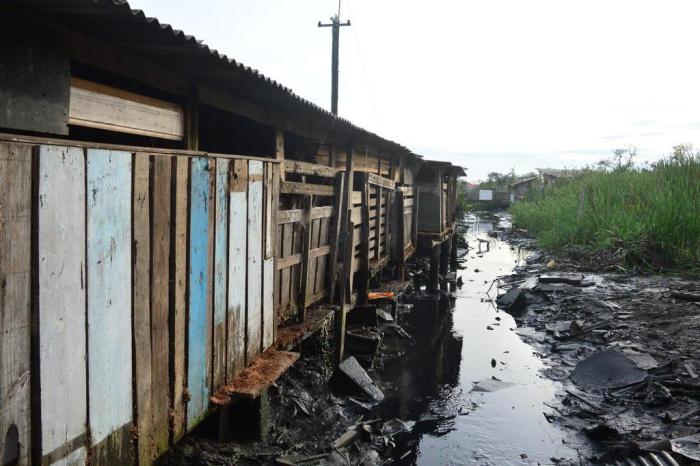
[
  {"x": 132, "y": 288},
  {"x": 136, "y": 284},
  {"x": 307, "y": 237}
]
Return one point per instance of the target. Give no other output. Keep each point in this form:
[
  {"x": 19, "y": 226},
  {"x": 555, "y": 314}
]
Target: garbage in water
[{"x": 350, "y": 377}]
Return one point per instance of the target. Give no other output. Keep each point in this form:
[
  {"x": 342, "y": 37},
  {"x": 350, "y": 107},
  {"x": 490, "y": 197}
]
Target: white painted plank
[
  {"x": 237, "y": 254},
  {"x": 61, "y": 297},
  {"x": 109, "y": 291},
  {"x": 255, "y": 240}
]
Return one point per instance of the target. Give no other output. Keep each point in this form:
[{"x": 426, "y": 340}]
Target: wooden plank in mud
[
  {"x": 109, "y": 305},
  {"x": 61, "y": 304},
  {"x": 237, "y": 262},
  {"x": 141, "y": 311},
  {"x": 220, "y": 274},
  {"x": 178, "y": 319},
  {"x": 15, "y": 301},
  {"x": 255, "y": 259},
  {"x": 197, "y": 332}
]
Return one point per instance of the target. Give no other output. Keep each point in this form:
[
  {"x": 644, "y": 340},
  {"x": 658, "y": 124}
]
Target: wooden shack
[
  {"x": 437, "y": 196},
  {"x": 167, "y": 212}
]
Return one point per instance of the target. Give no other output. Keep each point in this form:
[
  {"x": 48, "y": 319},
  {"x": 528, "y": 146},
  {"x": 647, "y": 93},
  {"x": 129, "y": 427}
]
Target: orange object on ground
[{"x": 380, "y": 295}]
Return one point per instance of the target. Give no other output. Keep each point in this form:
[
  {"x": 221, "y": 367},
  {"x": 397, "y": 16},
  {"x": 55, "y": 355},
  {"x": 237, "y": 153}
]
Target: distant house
[
  {"x": 521, "y": 187},
  {"x": 553, "y": 175}
]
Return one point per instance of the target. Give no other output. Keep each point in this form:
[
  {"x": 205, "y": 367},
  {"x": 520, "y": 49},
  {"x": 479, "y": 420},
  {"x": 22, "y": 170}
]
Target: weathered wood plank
[
  {"x": 305, "y": 168},
  {"x": 380, "y": 181},
  {"x": 289, "y": 216},
  {"x": 178, "y": 329},
  {"x": 220, "y": 274},
  {"x": 61, "y": 301},
  {"x": 307, "y": 231},
  {"x": 160, "y": 299},
  {"x": 291, "y": 187},
  {"x": 15, "y": 301},
  {"x": 197, "y": 360},
  {"x": 322, "y": 212},
  {"x": 237, "y": 262},
  {"x": 334, "y": 239},
  {"x": 268, "y": 291},
  {"x": 255, "y": 258},
  {"x": 285, "y": 274},
  {"x": 275, "y": 283},
  {"x": 141, "y": 279},
  {"x": 109, "y": 305},
  {"x": 268, "y": 304}
]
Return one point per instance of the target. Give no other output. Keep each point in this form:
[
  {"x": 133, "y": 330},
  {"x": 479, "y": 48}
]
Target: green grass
[{"x": 646, "y": 218}]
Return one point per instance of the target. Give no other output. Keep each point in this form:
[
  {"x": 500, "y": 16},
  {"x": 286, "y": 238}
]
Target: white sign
[{"x": 485, "y": 195}]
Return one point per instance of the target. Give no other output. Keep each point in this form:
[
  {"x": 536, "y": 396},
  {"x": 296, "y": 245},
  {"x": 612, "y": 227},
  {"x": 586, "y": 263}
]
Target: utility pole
[{"x": 335, "y": 24}]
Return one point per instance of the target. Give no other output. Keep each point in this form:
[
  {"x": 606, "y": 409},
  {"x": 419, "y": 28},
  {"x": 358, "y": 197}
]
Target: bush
[{"x": 641, "y": 217}]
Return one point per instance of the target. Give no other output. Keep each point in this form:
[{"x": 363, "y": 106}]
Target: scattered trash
[
  {"x": 688, "y": 447},
  {"x": 491, "y": 385},
  {"x": 607, "y": 369},
  {"x": 513, "y": 300},
  {"x": 551, "y": 264},
  {"x": 685, "y": 296},
  {"x": 569, "y": 279},
  {"x": 350, "y": 378}
]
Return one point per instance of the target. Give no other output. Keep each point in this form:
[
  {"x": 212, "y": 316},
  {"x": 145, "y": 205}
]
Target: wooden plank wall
[{"x": 119, "y": 314}]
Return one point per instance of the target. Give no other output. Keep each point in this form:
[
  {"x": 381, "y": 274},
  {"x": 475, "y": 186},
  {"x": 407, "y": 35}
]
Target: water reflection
[{"x": 458, "y": 343}]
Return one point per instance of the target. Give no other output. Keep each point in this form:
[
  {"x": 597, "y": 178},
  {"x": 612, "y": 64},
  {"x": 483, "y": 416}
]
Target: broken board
[{"x": 265, "y": 370}]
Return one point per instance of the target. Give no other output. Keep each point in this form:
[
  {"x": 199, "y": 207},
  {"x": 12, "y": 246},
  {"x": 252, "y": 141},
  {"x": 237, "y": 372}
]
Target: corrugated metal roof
[{"x": 114, "y": 22}]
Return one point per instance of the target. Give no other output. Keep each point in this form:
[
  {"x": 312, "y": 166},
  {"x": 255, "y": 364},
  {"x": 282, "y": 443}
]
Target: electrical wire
[{"x": 364, "y": 71}]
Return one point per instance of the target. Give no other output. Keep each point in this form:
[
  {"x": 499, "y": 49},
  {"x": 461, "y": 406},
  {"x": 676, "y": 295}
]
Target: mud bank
[{"x": 623, "y": 347}]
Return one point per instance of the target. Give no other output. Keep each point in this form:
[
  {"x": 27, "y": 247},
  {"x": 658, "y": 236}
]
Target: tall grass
[{"x": 644, "y": 218}]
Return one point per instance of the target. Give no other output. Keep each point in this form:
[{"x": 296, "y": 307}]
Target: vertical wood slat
[
  {"x": 306, "y": 245},
  {"x": 61, "y": 304},
  {"x": 160, "y": 298},
  {"x": 255, "y": 259},
  {"x": 15, "y": 301},
  {"x": 197, "y": 360},
  {"x": 268, "y": 303},
  {"x": 178, "y": 319},
  {"x": 220, "y": 274},
  {"x": 237, "y": 250},
  {"x": 109, "y": 305},
  {"x": 364, "y": 244},
  {"x": 335, "y": 235},
  {"x": 141, "y": 311}
]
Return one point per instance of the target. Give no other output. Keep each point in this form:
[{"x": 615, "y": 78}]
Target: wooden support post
[
  {"x": 346, "y": 209},
  {"x": 399, "y": 236},
  {"x": 377, "y": 221},
  {"x": 345, "y": 291},
  {"x": 414, "y": 218},
  {"x": 306, "y": 247},
  {"x": 434, "y": 280},
  {"x": 445, "y": 250},
  {"x": 364, "y": 245},
  {"x": 192, "y": 130},
  {"x": 336, "y": 231},
  {"x": 279, "y": 150},
  {"x": 453, "y": 252}
]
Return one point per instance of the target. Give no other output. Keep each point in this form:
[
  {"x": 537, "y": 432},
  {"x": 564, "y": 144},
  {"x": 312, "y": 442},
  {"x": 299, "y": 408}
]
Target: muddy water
[{"x": 456, "y": 341}]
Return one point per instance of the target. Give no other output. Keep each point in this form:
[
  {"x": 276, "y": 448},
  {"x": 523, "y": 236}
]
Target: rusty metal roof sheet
[{"x": 114, "y": 22}]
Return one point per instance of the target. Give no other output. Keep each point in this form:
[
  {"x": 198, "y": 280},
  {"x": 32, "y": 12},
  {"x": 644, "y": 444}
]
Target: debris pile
[{"x": 625, "y": 348}]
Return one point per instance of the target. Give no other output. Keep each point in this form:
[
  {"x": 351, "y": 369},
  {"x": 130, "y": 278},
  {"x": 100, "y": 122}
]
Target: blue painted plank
[
  {"x": 109, "y": 294},
  {"x": 220, "y": 273},
  {"x": 198, "y": 281}
]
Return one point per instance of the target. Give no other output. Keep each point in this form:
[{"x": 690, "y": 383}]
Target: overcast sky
[{"x": 489, "y": 85}]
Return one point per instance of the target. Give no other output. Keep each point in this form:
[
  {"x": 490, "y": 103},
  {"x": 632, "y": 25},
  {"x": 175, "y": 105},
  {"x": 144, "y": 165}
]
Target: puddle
[{"x": 457, "y": 345}]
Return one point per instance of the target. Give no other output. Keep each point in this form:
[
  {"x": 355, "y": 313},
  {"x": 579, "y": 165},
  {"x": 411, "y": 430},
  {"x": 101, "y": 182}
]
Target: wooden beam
[
  {"x": 289, "y": 216},
  {"x": 304, "y": 168},
  {"x": 364, "y": 244},
  {"x": 322, "y": 212},
  {"x": 279, "y": 149},
  {"x": 380, "y": 181},
  {"x": 192, "y": 118},
  {"x": 291, "y": 187},
  {"x": 335, "y": 236}
]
